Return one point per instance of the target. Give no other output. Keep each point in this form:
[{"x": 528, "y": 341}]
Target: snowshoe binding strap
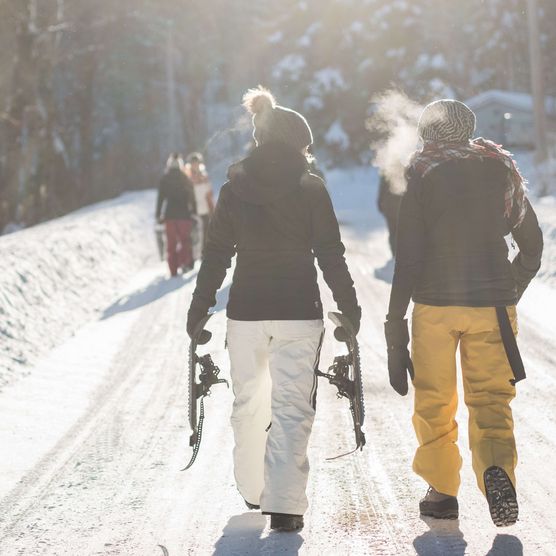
[
  {"x": 338, "y": 375},
  {"x": 208, "y": 377}
]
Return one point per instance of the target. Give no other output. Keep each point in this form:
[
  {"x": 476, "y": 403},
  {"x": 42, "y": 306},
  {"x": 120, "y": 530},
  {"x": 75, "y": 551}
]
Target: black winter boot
[
  {"x": 251, "y": 506},
  {"x": 438, "y": 505},
  {"x": 286, "y": 522},
  {"x": 501, "y": 497}
]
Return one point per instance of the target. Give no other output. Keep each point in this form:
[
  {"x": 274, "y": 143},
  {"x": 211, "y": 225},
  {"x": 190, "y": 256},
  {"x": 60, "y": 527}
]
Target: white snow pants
[{"x": 273, "y": 376}]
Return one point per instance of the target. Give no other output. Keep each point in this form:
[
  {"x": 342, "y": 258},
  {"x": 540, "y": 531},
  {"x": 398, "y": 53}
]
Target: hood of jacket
[{"x": 271, "y": 171}]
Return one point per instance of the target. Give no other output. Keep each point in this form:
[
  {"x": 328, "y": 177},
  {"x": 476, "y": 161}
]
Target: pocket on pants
[{"x": 313, "y": 396}]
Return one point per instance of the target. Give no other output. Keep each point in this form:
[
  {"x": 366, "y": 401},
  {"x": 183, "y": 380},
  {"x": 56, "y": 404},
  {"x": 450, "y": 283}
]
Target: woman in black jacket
[
  {"x": 277, "y": 218},
  {"x": 463, "y": 197}
]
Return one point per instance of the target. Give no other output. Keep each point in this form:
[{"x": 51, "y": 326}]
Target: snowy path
[{"x": 92, "y": 467}]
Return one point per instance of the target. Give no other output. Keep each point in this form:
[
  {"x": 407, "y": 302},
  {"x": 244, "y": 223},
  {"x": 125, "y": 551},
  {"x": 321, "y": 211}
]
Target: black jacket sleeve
[
  {"x": 410, "y": 250},
  {"x": 160, "y": 198},
  {"x": 528, "y": 237},
  {"x": 217, "y": 255},
  {"x": 329, "y": 250}
]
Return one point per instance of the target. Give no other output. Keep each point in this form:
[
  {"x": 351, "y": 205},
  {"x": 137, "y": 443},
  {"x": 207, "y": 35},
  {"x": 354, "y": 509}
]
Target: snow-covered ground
[
  {"x": 58, "y": 276},
  {"x": 94, "y": 433},
  {"x": 545, "y": 208}
]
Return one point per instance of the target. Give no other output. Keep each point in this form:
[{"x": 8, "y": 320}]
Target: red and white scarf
[{"x": 435, "y": 153}]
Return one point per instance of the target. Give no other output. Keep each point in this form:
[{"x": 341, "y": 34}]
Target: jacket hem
[
  {"x": 465, "y": 302},
  {"x": 247, "y": 315}
]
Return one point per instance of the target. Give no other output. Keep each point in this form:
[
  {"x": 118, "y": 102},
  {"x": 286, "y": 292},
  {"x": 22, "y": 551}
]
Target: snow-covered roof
[{"x": 513, "y": 99}]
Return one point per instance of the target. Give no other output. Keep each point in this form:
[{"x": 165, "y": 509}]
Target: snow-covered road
[{"x": 93, "y": 439}]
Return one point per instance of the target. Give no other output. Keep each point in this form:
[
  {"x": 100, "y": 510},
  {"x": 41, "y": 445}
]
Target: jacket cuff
[{"x": 396, "y": 333}]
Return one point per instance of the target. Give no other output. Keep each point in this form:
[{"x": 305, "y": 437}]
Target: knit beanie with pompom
[
  {"x": 447, "y": 121},
  {"x": 272, "y": 122}
]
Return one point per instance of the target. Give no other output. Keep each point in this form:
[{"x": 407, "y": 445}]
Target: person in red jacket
[{"x": 175, "y": 207}]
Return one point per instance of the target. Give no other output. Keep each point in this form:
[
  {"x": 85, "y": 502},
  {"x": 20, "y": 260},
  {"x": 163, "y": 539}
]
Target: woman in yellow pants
[{"x": 463, "y": 197}]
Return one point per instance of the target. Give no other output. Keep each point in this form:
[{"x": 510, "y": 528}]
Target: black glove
[
  {"x": 194, "y": 316},
  {"x": 354, "y": 317},
  {"x": 399, "y": 361}
]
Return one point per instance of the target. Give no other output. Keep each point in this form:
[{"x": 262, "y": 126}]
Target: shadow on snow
[
  {"x": 154, "y": 291},
  {"x": 445, "y": 538},
  {"x": 242, "y": 536},
  {"x": 506, "y": 545}
]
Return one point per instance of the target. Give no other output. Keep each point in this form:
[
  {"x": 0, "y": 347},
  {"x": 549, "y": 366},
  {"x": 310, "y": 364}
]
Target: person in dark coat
[
  {"x": 389, "y": 205},
  {"x": 463, "y": 197},
  {"x": 277, "y": 218},
  {"x": 175, "y": 207}
]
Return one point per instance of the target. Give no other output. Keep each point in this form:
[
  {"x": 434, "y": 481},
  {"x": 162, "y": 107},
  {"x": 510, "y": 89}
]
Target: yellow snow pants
[{"x": 436, "y": 334}]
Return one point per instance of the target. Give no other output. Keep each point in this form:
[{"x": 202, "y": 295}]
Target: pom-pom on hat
[
  {"x": 272, "y": 122},
  {"x": 447, "y": 121}
]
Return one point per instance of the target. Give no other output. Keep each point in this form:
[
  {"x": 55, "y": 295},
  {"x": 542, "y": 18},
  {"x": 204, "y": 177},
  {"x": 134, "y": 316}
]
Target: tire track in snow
[{"x": 95, "y": 442}]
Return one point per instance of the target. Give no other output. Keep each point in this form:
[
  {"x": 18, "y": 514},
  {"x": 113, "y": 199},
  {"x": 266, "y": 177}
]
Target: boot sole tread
[{"x": 501, "y": 497}]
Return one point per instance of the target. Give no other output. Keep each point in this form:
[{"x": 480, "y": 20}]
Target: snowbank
[
  {"x": 58, "y": 275},
  {"x": 545, "y": 207}
]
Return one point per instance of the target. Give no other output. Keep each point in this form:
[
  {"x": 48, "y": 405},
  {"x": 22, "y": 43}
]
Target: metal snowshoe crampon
[
  {"x": 208, "y": 376},
  {"x": 345, "y": 374}
]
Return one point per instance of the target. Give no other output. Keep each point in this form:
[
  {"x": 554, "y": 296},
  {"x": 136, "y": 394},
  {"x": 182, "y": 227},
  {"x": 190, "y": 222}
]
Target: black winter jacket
[
  {"x": 277, "y": 217},
  {"x": 176, "y": 191},
  {"x": 388, "y": 202},
  {"x": 451, "y": 248}
]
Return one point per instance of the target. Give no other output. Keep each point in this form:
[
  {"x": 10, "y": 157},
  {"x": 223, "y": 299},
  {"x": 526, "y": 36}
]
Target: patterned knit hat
[
  {"x": 272, "y": 122},
  {"x": 446, "y": 121}
]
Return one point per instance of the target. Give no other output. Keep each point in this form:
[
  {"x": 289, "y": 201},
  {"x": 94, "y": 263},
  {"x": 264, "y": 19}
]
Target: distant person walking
[
  {"x": 463, "y": 197},
  {"x": 389, "y": 205},
  {"x": 196, "y": 171},
  {"x": 175, "y": 207},
  {"x": 279, "y": 219}
]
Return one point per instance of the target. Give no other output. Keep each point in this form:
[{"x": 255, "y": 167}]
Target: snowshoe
[
  {"x": 345, "y": 374},
  {"x": 501, "y": 497},
  {"x": 208, "y": 376},
  {"x": 286, "y": 522},
  {"x": 438, "y": 505}
]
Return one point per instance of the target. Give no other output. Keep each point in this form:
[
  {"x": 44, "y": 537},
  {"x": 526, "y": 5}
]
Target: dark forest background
[{"x": 95, "y": 93}]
